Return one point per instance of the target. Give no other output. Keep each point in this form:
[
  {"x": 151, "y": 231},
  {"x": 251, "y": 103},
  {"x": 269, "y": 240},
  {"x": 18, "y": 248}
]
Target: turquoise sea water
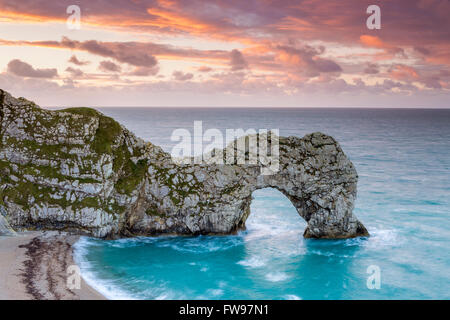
[{"x": 403, "y": 161}]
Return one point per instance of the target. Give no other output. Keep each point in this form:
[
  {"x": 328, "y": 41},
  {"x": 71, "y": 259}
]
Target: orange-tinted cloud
[
  {"x": 376, "y": 42},
  {"x": 297, "y": 45},
  {"x": 403, "y": 72},
  {"x": 373, "y": 41}
]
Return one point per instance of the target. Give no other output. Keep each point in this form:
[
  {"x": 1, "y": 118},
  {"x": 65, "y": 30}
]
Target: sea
[{"x": 403, "y": 161}]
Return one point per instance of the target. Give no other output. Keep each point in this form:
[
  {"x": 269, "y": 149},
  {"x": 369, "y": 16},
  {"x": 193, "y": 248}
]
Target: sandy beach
[{"x": 33, "y": 266}]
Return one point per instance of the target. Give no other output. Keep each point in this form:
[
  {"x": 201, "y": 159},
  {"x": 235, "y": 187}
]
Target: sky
[{"x": 227, "y": 53}]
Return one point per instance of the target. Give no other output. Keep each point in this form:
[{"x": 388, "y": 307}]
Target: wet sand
[{"x": 34, "y": 266}]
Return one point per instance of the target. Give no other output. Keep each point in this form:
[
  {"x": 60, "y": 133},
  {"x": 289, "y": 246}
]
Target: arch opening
[{"x": 272, "y": 212}]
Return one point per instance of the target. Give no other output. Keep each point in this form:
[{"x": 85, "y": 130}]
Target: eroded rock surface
[
  {"x": 80, "y": 171},
  {"x": 5, "y": 229}
]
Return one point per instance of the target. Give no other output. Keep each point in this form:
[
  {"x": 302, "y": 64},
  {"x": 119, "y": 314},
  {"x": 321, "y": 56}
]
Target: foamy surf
[
  {"x": 276, "y": 276},
  {"x": 107, "y": 288},
  {"x": 253, "y": 262}
]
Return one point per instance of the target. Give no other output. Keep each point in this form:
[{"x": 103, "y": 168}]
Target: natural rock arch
[
  {"x": 78, "y": 170},
  {"x": 314, "y": 174}
]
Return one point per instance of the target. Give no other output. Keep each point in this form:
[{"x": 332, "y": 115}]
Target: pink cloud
[
  {"x": 403, "y": 72},
  {"x": 204, "y": 69},
  {"x": 237, "y": 60},
  {"x": 284, "y": 46},
  {"x": 23, "y": 69},
  {"x": 307, "y": 60},
  {"x": 73, "y": 59},
  {"x": 180, "y": 76},
  {"x": 109, "y": 66},
  {"x": 74, "y": 72}
]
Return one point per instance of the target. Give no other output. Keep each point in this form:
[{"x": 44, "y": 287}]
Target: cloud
[
  {"x": 237, "y": 61},
  {"x": 376, "y": 42},
  {"x": 437, "y": 80},
  {"x": 75, "y": 72},
  {"x": 226, "y": 89},
  {"x": 403, "y": 21},
  {"x": 73, "y": 59},
  {"x": 144, "y": 71},
  {"x": 373, "y": 41},
  {"x": 306, "y": 60},
  {"x": 287, "y": 44},
  {"x": 180, "y": 76},
  {"x": 138, "y": 54},
  {"x": 371, "y": 68},
  {"x": 124, "y": 52},
  {"x": 204, "y": 69},
  {"x": 403, "y": 72},
  {"x": 109, "y": 66},
  {"x": 23, "y": 69},
  {"x": 422, "y": 51}
]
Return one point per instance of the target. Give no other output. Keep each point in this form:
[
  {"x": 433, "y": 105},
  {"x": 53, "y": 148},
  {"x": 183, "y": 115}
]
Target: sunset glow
[{"x": 227, "y": 53}]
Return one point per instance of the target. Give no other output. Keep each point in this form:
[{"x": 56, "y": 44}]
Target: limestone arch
[{"x": 321, "y": 183}]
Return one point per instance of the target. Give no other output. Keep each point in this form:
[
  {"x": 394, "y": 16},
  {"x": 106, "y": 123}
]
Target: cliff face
[
  {"x": 75, "y": 169},
  {"x": 78, "y": 170}
]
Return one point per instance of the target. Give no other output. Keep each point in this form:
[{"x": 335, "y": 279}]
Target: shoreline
[{"x": 34, "y": 264}]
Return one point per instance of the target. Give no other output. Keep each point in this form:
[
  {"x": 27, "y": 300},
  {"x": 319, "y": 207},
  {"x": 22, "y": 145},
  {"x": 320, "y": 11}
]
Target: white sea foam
[
  {"x": 276, "y": 276},
  {"x": 253, "y": 262},
  {"x": 378, "y": 238},
  {"x": 292, "y": 297},
  {"x": 106, "y": 288},
  {"x": 215, "y": 292},
  {"x": 384, "y": 237}
]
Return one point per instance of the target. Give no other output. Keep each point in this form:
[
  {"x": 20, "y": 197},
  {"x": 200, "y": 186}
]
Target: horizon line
[{"x": 249, "y": 107}]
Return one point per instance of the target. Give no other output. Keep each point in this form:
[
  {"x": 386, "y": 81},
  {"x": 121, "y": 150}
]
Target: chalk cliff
[{"x": 80, "y": 171}]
